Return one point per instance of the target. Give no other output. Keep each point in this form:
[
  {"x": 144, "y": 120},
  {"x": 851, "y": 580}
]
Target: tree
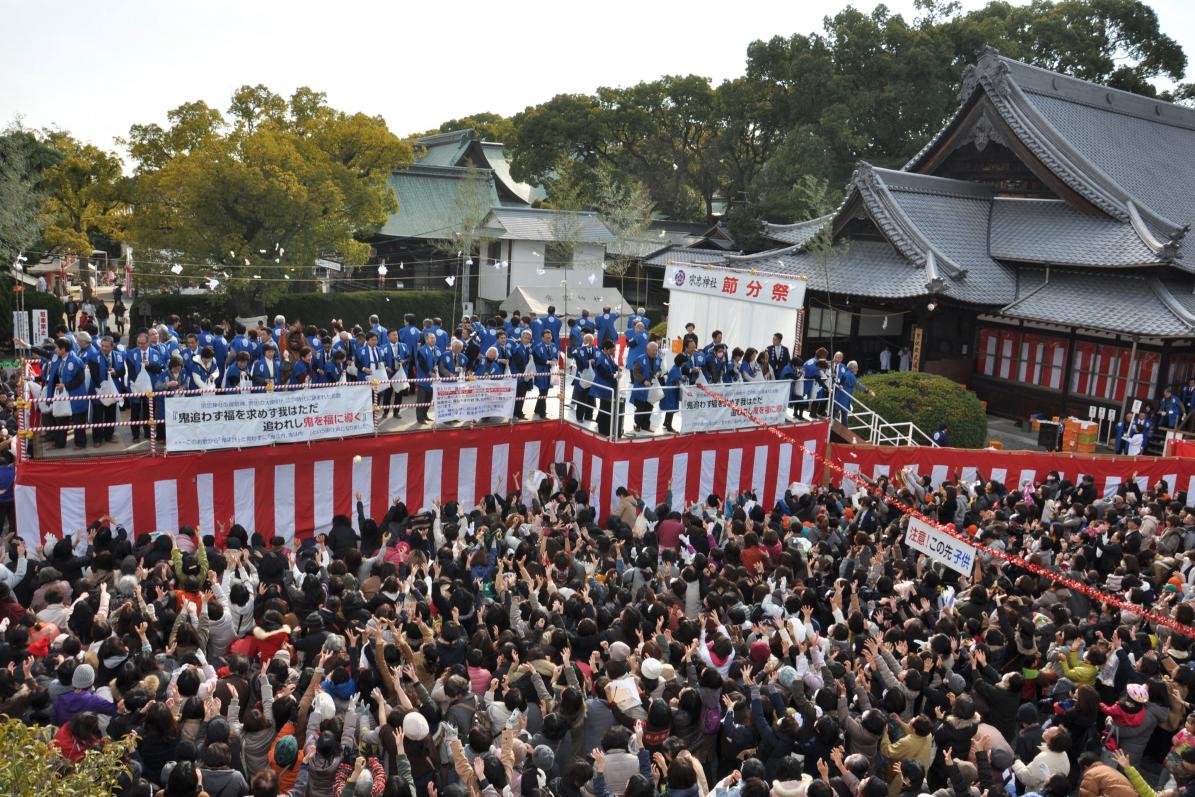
[
  {"x": 20, "y": 198},
  {"x": 868, "y": 86},
  {"x": 86, "y": 196},
  {"x": 252, "y": 199},
  {"x": 488, "y": 126},
  {"x": 30, "y": 767}
]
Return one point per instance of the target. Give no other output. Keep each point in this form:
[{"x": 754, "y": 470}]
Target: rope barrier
[{"x": 949, "y": 529}]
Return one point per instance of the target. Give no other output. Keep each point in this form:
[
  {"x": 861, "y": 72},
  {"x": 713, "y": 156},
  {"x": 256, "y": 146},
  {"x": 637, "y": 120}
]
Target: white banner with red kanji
[
  {"x": 769, "y": 289},
  {"x": 209, "y": 421}
]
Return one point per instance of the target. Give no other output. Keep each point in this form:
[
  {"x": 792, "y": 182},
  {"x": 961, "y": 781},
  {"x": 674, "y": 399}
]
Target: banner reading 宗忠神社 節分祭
[
  {"x": 474, "y": 399},
  {"x": 701, "y": 412},
  {"x": 940, "y": 546},
  {"x": 236, "y": 420}
]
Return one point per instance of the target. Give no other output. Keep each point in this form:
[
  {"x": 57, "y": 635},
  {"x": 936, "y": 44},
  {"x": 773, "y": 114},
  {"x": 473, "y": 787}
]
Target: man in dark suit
[{"x": 778, "y": 354}]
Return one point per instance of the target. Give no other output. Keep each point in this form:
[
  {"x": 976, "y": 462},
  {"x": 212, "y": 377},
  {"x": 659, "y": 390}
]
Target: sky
[{"x": 94, "y": 69}]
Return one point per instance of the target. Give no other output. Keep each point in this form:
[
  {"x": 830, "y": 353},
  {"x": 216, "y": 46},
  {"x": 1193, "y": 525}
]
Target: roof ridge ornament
[{"x": 987, "y": 65}]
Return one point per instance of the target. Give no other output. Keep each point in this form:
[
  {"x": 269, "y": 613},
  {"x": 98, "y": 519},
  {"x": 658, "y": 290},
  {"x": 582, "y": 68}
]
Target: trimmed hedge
[
  {"x": 316, "y": 308},
  {"x": 660, "y": 329},
  {"x": 929, "y": 400},
  {"x": 34, "y": 300}
]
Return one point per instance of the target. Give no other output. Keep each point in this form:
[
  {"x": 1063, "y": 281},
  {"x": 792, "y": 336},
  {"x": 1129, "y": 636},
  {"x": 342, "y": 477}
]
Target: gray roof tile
[
  {"x": 542, "y": 224},
  {"x": 681, "y": 254},
  {"x": 1124, "y": 303},
  {"x": 428, "y": 204},
  {"x": 797, "y": 234},
  {"x": 857, "y": 268},
  {"x": 1051, "y": 231}
]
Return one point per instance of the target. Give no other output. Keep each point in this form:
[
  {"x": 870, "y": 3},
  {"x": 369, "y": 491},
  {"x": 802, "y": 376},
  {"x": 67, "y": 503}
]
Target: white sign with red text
[{"x": 766, "y": 289}]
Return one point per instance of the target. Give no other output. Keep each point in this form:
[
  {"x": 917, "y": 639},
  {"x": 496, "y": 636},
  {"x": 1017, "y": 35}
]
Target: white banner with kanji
[
  {"x": 238, "y": 420},
  {"x": 474, "y": 399},
  {"x": 701, "y": 412},
  {"x": 940, "y": 546},
  {"x": 772, "y": 290}
]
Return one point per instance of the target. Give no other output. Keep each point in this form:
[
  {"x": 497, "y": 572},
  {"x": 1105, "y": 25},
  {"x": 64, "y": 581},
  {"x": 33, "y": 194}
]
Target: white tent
[{"x": 568, "y": 300}]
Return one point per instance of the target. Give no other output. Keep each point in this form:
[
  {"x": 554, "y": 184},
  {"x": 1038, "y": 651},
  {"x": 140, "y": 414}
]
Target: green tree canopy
[
  {"x": 868, "y": 86},
  {"x": 253, "y": 197}
]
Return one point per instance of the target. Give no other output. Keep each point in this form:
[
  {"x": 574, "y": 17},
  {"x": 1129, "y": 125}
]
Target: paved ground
[{"x": 1011, "y": 435}]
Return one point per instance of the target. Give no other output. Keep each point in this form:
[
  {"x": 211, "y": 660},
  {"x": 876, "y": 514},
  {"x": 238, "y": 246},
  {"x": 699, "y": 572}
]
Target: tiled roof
[
  {"x": 1052, "y": 231},
  {"x": 855, "y": 268},
  {"x": 542, "y": 224},
  {"x": 681, "y": 254},
  {"x": 797, "y": 234},
  {"x": 1126, "y": 154},
  {"x": 1131, "y": 304},
  {"x": 443, "y": 149},
  {"x": 428, "y": 201},
  {"x": 495, "y": 156}
]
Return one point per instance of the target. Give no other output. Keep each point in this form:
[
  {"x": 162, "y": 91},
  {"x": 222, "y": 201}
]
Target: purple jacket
[{"x": 71, "y": 703}]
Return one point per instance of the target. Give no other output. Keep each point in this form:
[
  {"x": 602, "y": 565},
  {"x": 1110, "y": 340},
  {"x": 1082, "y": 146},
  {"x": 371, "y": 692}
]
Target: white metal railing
[{"x": 869, "y": 425}]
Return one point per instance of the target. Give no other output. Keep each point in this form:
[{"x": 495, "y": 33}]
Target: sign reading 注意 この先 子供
[
  {"x": 742, "y": 285},
  {"x": 474, "y": 399},
  {"x": 235, "y": 420},
  {"x": 940, "y": 546},
  {"x": 701, "y": 412}
]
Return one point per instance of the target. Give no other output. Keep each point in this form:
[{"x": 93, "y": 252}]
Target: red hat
[{"x": 760, "y": 653}]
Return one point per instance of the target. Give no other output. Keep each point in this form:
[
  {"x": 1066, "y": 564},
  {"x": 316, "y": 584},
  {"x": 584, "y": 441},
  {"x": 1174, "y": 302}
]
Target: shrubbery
[
  {"x": 929, "y": 400},
  {"x": 316, "y": 308}
]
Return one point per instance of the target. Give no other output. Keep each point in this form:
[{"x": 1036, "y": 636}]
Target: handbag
[
  {"x": 400, "y": 381},
  {"x": 142, "y": 384},
  {"x": 61, "y": 409},
  {"x": 656, "y": 394},
  {"x": 107, "y": 392},
  {"x": 587, "y": 376}
]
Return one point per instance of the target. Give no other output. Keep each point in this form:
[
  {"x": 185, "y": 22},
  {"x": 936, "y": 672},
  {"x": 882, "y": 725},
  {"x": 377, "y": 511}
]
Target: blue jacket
[
  {"x": 545, "y": 356},
  {"x": 262, "y": 372},
  {"x": 235, "y": 377},
  {"x": 300, "y": 373},
  {"x": 70, "y": 373},
  {"x": 635, "y": 318},
  {"x": 114, "y": 361},
  {"x": 489, "y": 368},
  {"x": 426, "y": 361},
  {"x": 450, "y": 365},
  {"x": 136, "y": 360},
  {"x": 845, "y": 388},
  {"x": 605, "y": 375},
  {"x": 671, "y": 400},
  {"x": 410, "y": 335},
  {"x": 643, "y": 370},
  {"x": 396, "y": 354},
  {"x": 372, "y": 358},
  {"x": 636, "y": 346},
  {"x": 606, "y": 326},
  {"x": 520, "y": 355},
  {"x": 241, "y": 343},
  {"x": 200, "y": 375},
  {"x": 1171, "y": 409}
]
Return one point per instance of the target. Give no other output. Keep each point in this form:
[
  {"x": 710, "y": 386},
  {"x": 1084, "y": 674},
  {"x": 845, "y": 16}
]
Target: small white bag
[
  {"x": 655, "y": 394},
  {"x": 107, "y": 393},
  {"x": 143, "y": 384},
  {"x": 587, "y": 376},
  {"x": 62, "y": 409},
  {"x": 400, "y": 382}
]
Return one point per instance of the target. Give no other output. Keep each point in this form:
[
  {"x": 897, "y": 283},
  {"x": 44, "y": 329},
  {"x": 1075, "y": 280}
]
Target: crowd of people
[
  {"x": 529, "y": 646},
  {"x": 86, "y": 360}
]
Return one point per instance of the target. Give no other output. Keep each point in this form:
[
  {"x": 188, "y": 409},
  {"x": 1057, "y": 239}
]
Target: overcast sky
[{"x": 94, "y": 68}]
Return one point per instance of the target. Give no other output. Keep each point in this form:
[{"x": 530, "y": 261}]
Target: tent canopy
[{"x": 568, "y": 300}]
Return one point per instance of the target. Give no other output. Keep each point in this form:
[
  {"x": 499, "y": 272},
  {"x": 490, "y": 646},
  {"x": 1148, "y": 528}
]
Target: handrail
[{"x": 868, "y": 424}]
